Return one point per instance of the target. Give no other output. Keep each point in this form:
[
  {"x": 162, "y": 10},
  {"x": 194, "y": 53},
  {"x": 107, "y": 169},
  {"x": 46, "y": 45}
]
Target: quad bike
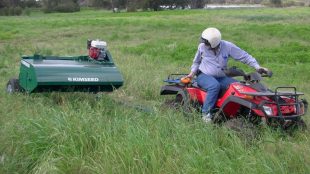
[{"x": 248, "y": 99}]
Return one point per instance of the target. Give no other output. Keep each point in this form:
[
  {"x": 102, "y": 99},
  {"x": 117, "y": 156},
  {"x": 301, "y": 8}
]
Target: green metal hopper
[{"x": 52, "y": 73}]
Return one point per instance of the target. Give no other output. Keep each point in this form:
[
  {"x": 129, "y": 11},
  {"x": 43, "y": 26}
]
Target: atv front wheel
[
  {"x": 287, "y": 126},
  {"x": 12, "y": 86},
  {"x": 243, "y": 128},
  {"x": 301, "y": 124},
  {"x": 219, "y": 117},
  {"x": 295, "y": 125}
]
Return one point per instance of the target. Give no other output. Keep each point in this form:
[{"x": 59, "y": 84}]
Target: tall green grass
[{"x": 131, "y": 130}]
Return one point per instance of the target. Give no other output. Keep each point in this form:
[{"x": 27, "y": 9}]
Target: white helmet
[{"x": 213, "y": 36}]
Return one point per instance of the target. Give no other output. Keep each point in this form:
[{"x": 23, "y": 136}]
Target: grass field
[{"x": 98, "y": 133}]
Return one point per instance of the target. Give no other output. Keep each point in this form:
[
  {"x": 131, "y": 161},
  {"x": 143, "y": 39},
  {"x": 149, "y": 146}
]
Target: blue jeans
[{"x": 212, "y": 85}]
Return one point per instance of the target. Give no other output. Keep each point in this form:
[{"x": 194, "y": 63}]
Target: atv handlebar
[
  {"x": 269, "y": 74},
  {"x": 264, "y": 73},
  {"x": 230, "y": 72},
  {"x": 234, "y": 72},
  {"x": 254, "y": 76}
]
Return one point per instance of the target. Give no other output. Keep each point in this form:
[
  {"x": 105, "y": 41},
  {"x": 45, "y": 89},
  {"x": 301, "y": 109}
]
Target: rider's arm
[
  {"x": 196, "y": 62},
  {"x": 242, "y": 56}
]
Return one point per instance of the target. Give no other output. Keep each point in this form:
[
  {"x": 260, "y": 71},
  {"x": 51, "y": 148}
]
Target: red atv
[{"x": 249, "y": 99}]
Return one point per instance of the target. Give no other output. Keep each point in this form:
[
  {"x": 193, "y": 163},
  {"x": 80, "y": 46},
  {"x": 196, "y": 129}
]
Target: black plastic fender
[
  {"x": 170, "y": 89},
  {"x": 240, "y": 101},
  {"x": 305, "y": 102}
]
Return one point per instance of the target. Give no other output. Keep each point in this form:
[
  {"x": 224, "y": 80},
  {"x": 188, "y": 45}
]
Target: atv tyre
[
  {"x": 13, "y": 86},
  {"x": 295, "y": 125},
  {"x": 301, "y": 124},
  {"x": 184, "y": 102},
  {"x": 219, "y": 117},
  {"x": 243, "y": 128}
]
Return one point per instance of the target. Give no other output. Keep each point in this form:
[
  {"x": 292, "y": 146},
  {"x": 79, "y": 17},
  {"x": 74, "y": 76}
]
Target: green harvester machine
[{"x": 94, "y": 72}]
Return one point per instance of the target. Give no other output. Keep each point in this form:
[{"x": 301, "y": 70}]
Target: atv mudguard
[
  {"x": 170, "y": 89},
  {"x": 232, "y": 105},
  {"x": 305, "y": 102}
]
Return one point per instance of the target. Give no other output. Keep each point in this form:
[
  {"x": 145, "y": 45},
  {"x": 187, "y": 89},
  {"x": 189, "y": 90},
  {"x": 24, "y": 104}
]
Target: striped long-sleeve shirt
[{"x": 213, "y": 64}]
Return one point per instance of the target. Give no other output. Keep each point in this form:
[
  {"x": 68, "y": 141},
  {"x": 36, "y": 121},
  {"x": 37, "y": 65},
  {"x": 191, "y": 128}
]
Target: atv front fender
[
  {"x": 232, "y": 105},
  {"x": 305, "y": 102}
]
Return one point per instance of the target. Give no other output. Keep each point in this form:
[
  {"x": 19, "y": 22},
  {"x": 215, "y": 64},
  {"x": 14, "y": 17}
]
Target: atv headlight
[{"x": 268, "y": 110}]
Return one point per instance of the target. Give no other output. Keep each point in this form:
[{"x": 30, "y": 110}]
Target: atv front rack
[
  {"x": 277, "y": 97},
  {"x": 294, "y": 96}
]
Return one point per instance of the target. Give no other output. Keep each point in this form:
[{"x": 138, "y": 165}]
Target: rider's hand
[
  {"x": 262, "y": 70},
  {"x": 190, "y": 75}
]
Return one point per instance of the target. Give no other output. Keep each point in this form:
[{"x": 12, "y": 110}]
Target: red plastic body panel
[
  {"x": 236, "y": 89},
  {"x": 93, "y": 52},
  {"x": 197, "y": 94}
]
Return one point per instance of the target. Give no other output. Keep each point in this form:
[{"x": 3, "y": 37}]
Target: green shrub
[
  {"x": 6, "y": 11},
  {"x": 276, "y": 3},
  {"x": 65, "y": 7},
  {"x": 27, "y": 11},
  {"x": 17, "y": 11},
  {"x": 11, "y": 11}
]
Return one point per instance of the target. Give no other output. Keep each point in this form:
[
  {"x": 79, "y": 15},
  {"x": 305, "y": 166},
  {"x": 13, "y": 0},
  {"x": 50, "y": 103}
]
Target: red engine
[{"x": 97, "y": 49}]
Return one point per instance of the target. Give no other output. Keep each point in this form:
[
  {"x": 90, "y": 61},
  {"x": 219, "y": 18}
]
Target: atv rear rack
[{"x": 174, "y": 78}]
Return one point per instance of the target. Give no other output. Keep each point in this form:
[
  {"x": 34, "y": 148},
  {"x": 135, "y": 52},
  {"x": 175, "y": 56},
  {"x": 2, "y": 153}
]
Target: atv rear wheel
[
  {"x": 184, "y": 101},
  {"x": 12, "y": 86}
]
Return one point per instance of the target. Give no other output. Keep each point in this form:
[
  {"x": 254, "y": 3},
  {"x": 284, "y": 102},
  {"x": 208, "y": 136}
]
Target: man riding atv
[{"x": 209, "y": 65}]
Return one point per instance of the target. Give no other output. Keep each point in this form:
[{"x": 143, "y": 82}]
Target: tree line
[
  {"x": 133, "y": 5},
  {"x": 15, "y": 7},
  {"x": 74, "y": 5}
]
